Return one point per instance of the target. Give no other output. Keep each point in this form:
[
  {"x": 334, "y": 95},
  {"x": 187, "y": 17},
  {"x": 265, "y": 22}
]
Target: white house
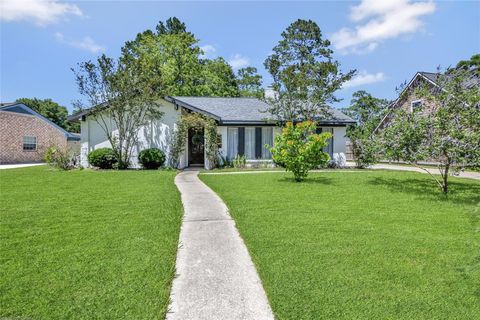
[{"x": 243, "y": 127}]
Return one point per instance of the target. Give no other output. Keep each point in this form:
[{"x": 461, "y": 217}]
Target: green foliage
[
  {"x": 240, "y": 161},
  {"x": 298, "y": 149},
  {"x": 447, "y": 133},
  {"x": 368, "y": 245},
  {"x": 52, "y": 111},
  {"x": 305, "y": 76},
  {"x": 195, "y": 121},
  {"x": 250, "y": 83},
  {"x": 152, "y": 158},
  {"x": 103, "y": 158},
  {"x": 172, "y": 58},
  {"x": 368, "y": 111},
  {"x": 87, "y": 244},
  {"x": 61, "y": 158},
  {"x": 473, "y": 64},
  {"x": 217, "y": 79}
]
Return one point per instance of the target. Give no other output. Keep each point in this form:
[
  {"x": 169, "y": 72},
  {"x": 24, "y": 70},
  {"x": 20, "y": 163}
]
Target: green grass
[
  {"x": 353, "y": 245},
  {"x": 87, "y": 244}
]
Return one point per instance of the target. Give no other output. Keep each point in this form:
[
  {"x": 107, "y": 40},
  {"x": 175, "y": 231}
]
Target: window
[
  {"x": 29, "y": 143},
  {"x": 416, "y": 106},
  {"x": 267, "y": 138},
  {"x": 232, "y": 148},
  {"x": 250, "y": 143}
]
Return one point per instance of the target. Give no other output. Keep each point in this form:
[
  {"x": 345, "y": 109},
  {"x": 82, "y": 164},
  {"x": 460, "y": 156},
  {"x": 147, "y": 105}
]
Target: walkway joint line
[{"x": 216, "y": 278}]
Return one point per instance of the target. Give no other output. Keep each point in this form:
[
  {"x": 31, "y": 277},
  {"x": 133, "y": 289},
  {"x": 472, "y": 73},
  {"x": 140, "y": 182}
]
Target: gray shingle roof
[
  {"x": 17, "y": 107},
  {"x": 473, "y": 81},
  {"x": 242, "y": 110}
]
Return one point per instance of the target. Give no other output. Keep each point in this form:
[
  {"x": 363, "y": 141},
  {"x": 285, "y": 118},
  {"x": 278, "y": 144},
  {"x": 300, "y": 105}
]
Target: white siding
[{"x": 158, "y": 134}]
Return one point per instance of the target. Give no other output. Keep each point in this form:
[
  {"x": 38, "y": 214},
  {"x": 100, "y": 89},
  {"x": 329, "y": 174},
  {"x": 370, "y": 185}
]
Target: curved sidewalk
[{"x": 216, "y": 278}]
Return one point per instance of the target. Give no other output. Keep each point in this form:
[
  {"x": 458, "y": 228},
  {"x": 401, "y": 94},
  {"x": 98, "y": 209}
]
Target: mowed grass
[
  {"x": 360, "y": 245},
  {"x": 87, "y": 244}
]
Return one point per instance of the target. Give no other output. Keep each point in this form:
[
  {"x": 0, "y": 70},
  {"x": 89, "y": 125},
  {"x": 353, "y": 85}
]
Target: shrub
[
  {"x": 61, "y": 158},
  {"x": 152, "y": 158},
  {"x": 240, "y": 161},
  {"x": 103, "y": 158},
  {"x": 298, "y": 149}
]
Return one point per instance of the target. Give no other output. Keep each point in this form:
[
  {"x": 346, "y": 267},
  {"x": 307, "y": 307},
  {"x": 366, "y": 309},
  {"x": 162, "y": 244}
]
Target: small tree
[
  {"x": 449, "y": 133},
  {"x": 368, "y": 112},
  {"x": 298, "y": 149},
  {"x": 122, "y": 100}
]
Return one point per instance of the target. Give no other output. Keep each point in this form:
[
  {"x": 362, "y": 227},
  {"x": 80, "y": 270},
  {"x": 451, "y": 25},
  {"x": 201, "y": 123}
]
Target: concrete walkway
[
  {"x": 19, "y": 165},
  {"x": 216, "y": 278}
]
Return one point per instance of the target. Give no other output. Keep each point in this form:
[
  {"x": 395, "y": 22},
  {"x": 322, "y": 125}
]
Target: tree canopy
[
  {"x": 175, "y": 64},
  {"x": 250, "y": 83},
  {"x": 305, "y": 76},
  {"x": 52, "y": 111}
]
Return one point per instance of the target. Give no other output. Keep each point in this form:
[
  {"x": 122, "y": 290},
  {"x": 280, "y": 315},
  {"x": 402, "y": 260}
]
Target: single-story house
[
  {"x": 242, "y": 123},
  {"x": 26, "y": 135}
]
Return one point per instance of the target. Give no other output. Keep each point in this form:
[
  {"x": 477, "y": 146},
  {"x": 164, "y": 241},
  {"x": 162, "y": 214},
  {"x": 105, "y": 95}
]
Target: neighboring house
[
  {"x": 243, "y": 128},
  {"x": 408, "y": 99},
  {"x": 26, "y": 135}
]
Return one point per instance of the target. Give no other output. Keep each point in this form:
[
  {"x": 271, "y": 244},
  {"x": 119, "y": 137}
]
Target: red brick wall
[{"x": 14, "y": 126}]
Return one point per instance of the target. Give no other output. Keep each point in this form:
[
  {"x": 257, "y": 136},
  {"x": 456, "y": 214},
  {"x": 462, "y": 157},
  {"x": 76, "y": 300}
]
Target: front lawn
[
  {"x": 360, "y": 245},
  {"x": 87, "y": 244}
]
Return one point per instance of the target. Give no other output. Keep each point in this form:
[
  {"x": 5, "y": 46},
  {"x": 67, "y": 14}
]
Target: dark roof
[
  {"x": 242, "y": 110},
  {"x": 473, "y": 81},
  {"x": 23, "y": 109}
]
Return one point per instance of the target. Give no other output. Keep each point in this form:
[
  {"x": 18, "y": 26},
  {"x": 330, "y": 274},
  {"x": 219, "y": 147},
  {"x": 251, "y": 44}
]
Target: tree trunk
[{"x": 445, "y": 179}]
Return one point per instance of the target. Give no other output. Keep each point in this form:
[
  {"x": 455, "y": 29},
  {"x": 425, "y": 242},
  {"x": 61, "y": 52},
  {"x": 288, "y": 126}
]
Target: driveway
[{"x": 19, "y": 165}]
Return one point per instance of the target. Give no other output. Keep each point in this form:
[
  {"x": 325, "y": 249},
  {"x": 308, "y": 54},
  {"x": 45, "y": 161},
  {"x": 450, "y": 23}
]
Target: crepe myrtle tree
[
  {"x": 305, "y": 75},
  {"x": 299, "y": 149},
  {"x": 449, "y": 133},
  {"x": 122, "y": 99}
]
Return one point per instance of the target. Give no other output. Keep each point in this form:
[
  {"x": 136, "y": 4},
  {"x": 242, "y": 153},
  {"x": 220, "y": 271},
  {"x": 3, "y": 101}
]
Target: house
[
  {"x": 243, "y": 127},
  {"x": 26, "y": 135},
  {"x": 409, "y": 101}
]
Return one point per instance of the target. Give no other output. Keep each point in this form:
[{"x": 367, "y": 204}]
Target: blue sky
[{"x": 386, "y": 41}]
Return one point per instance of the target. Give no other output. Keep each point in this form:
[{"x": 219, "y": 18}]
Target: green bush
[
  {"x": 61, "y": 158},
  {"x": 152, "y": 158},
  {"x": 103, "y": 158},
  {"x": 240, "y": 161},
  {"x": 298, "y": 149}
]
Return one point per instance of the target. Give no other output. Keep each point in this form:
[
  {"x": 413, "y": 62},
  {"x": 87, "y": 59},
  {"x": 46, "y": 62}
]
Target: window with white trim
[
  {"x": 416, "y": 106},
  {"x": 29, "y": 143}
]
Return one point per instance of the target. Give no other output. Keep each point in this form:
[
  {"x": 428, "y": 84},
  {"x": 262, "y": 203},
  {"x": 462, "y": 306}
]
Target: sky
[{"x": 386, "y": 41}]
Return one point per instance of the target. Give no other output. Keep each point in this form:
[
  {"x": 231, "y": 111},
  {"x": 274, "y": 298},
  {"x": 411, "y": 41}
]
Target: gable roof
[
  {"x": 432, "y": 78},
  {"x": 238, "y": 110},
  {"x": 21, "y": 108}
]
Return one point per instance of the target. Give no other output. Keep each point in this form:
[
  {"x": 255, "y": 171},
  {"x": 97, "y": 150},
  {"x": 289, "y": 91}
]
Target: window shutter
[
  {"x": 258, "y": 143},
  {"x": 241, "y": 141}
]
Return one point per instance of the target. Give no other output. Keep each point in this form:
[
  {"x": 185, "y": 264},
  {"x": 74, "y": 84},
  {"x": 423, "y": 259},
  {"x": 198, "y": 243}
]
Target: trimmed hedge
[
  {"x": 152, "y": 158},
  {"x": 103, "y": 158}
]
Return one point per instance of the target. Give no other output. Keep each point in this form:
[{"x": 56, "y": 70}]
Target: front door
[{"x": 196, "y": 147}]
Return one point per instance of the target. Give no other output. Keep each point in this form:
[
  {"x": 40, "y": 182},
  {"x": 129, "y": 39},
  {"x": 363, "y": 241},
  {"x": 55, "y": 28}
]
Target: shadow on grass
[
  {"x": 309, "y": 180},
  {"x": 460, "y": 192}
]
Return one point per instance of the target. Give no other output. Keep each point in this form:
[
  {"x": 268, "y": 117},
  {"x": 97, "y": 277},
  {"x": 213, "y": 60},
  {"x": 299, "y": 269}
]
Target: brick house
[
  {"x": 409, "y": 101},
  {"x": 26, "y": 135}
]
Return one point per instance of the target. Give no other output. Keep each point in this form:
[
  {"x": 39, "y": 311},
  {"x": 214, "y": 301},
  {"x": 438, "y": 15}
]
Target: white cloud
[
  {"x": 41, "y": 12},
  {"x": 378, "y": 21},
  {"x": 363, "y": 78},
  {"x": 238, "y": 62},
  {"x": 208, "y": 50},
  {"x": 87, "y": 43}
]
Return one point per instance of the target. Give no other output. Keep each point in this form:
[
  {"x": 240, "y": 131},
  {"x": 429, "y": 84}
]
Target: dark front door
[{"x": 196, "y": 147}]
